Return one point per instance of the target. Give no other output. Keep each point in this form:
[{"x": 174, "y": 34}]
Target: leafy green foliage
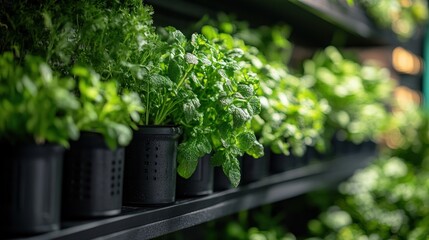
[
  {"x": 104, "y": 110},
  {"x": 227, "y": 99},
  {"x": 35, "y": 104},
  {"x": 357, "y": 94},
  {"x": 291, "y": 116},
  {"x": 388, "y": 199},
  {"x": 402, "y": 17},
  {"x": 85, "y": 33},
  {"x": 193, "y": 83}
]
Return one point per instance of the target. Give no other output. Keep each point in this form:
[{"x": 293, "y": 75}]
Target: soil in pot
[
  {"x": 93, "y": 178},
  {"x": 150, "y": 166},
  {"x": 200, "y": 183},
  {"x": 31, "y": 186}
]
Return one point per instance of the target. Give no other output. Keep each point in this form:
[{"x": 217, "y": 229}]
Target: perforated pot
[
  {"x": 93, "y": 177},
  {"x": 201, "y": 181},
  {"x": 150, "y": 166},
  {"x": 31, "y": 188}
]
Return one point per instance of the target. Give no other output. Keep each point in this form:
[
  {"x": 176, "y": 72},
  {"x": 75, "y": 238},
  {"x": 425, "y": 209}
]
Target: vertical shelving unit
[{"x": 314, "y": 24}]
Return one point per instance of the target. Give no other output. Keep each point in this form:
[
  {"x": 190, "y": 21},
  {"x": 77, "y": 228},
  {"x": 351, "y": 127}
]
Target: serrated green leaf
[
  {"x": 187, "y": 158},
  {"x": 231, "y": 168},
  {"x": 254, "y": 106},
  {"x": 190, "y": 109},
  {"x": 158, "y": 82},
  {"x": 256, "y": 150},
  {"x": 245, "y": 140},
  {"x": 245, "y": 90},
  {"x": 240, "y": 116},
  {"x": 186, "y": 168},
  {"x": 248, "y": 143},
  {"x": 203, "y": 145},
  {"x": 174, "y": 71}
]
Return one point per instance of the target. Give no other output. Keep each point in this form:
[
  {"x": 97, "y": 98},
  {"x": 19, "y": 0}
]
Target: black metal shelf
[
  {"x": 314, "y": 23},
  {"x": 144, "y": 222}
]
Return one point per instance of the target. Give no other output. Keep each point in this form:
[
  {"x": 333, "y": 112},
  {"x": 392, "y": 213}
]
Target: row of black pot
[
  {"x": 96, "y": 181},
  {"x": 42, "y": 183}
]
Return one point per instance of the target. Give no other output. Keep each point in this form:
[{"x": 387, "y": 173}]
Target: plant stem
[
  {"x": 147, "y": 104},
  {"x": 182, "y": 80}
]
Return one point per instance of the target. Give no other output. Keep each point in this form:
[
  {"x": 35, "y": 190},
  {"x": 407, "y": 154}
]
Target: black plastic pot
[
  {"x": 280, "y": 162},
  {"x": 221, "y": 181},
  {"x": 31, "y": 188},
  {"x": 200, "y": 183},
  {"x": 254, "y": 169},
  {"x": 93, "y": 177},
  {"x": 150, "y": 166}
]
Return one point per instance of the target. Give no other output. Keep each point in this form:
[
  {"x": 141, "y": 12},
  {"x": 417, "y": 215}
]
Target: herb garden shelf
[
  {"x": 315, "y": 23},
  {"x": 144, "y": 222}
]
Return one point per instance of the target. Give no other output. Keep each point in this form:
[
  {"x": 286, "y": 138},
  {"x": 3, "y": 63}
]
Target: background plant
[
  {"x": 402, "y": 17},
  {"x": 291, "y": 116},
  {"x": 357, "y": 94},
  {"x": 104, "y": 110},
  {"x": 388, "y": 199},
  {"x": 36, "y": 104}
]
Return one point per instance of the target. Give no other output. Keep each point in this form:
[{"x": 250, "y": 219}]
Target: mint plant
[
  {"x": 36, "y": 104},
  {"x": 291, "y": 116},
  {"x": 226, "y": 93}
]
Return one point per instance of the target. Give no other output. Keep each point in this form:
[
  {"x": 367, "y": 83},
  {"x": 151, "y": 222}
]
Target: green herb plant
[
  {"x": 104, "y": 110},
  {"x": 226, "y": 93},
  {"x": 389, "y": 198},
  {"x": 291, "y": 116},
  {"x": 36, "y": 104},
  {"x": 193, "y": 83},
  {"x": 402, "y": 17},
  {"x": 358, "y": 94}
]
